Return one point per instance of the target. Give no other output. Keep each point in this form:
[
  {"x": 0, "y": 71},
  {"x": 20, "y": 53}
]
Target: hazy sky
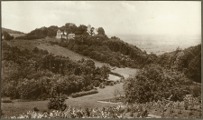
[{"x": 120, "y": 17}]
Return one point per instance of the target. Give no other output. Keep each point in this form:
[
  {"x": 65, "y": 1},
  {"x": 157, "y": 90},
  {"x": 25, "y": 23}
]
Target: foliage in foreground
[
  {"x": 57, "y": 103},
  {"x": 155, "y": 83},
  {"x": 189, "y": 108}
]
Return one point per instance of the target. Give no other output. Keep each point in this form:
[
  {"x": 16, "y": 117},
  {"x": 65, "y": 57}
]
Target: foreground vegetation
[
  {"x": 189, "y": 108},
  {"x": 39, "y": 75},
  {"x": 155, "y": 83}
]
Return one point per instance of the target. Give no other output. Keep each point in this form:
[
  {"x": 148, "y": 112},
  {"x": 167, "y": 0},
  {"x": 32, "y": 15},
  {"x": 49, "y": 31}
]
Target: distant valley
[{"x": 160, "y": 44}]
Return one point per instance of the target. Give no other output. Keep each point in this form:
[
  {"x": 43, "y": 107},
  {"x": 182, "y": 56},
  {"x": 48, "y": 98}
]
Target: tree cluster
[
  {"x": 154, "y": 83},
  {"x": 39, "y": 75},
  {"x": 110, "y": 50},
  {"x": 187, "y": 61}
]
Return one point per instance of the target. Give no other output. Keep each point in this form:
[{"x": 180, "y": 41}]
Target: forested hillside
[
  {"x": 187, "y": 61},
  {"x": 97, "y": 46}
]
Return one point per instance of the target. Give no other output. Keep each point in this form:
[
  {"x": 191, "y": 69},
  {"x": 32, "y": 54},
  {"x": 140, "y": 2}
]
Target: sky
[{"x": 116, "y": 17}]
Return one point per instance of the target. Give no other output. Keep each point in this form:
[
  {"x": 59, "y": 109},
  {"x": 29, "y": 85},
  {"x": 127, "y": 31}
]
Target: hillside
[
  {"x": 96, "y": 45},
  {"x": 57, "y": 50},
  {"x": 187, "y": 61},
  {"x": 12, "y": 32}
]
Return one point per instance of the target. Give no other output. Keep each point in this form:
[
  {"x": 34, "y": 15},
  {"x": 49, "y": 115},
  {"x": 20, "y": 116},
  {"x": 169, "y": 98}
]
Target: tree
[
  {"x": 82, "y": 29},
  {"x": 117, "y": 93},
  {"x": 92, "y": 31},
  {"x": 57, "y": 103},
  {"x": 101, "y": 31},
  {"x": 52, "y": 31},
  {"x": 105, "y": 70},
  {"x": 70, "y": 27},
  {"x": 7, "y": 36}
]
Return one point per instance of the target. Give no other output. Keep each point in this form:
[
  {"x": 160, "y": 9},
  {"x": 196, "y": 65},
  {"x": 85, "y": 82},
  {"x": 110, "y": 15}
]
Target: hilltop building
[
  {"x": 63, "y": 35},
  {"x": 58, "y": 34},
  {"x": 71, "y": 36}
]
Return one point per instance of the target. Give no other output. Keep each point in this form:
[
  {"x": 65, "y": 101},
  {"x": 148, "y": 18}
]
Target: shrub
[
  {"x": 101, "y": 85},
  {"x": 96, "y": 83},
  {"x": 111, "y": 84},
  {"x": 196, "y": 91},
  {"x": 57, "y": 103},
  {"x": 154, "y": 83},
  {"x": 33, "y": 89},
  {"x": 79, "y": 94}
]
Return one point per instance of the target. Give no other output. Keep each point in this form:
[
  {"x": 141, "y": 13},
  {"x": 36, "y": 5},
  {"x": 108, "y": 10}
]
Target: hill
[
  {"x": 96, "y": 45},
  {"x": 13, "y": 33},
  {"x": 187, "y": 61}
]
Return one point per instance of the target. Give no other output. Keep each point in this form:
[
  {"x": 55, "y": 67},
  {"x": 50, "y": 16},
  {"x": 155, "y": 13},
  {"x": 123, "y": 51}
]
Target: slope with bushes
[
  {"x": 38, "y": 75},
  {"x": 187, "y": 61},
  {"x": 97, "y": 46},
  {"x": 153, "y": 83}
]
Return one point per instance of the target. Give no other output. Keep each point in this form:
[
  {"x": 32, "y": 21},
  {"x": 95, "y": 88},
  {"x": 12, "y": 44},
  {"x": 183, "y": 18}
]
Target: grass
[
  {"x": 89, "y": 101},
  {"x": 61, "y": 51},
  {"x": 16, "y": 108}
]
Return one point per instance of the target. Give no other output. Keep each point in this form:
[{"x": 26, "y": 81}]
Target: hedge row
[
  {"x": 79, "y": 94},
  {"x": 116, "y": 74}
]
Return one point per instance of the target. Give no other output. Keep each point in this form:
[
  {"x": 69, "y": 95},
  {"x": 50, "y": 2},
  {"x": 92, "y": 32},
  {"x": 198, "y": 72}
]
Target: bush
[
  {"x": 96, "y": 83},
  {"x": 79, "y": 94},
  {"x": 57, "y": 103},
  {"x": 154, "y": 83},
  {"x": 116, "y": 74},
  {"x": 33, "y": 89},
  {"x": 111, "y": 84},
  {"x": 196, "y": 91},
  {"x": 101, "y": 85}
]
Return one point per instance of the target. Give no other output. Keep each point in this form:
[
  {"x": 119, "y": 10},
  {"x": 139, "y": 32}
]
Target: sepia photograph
[{"x": 100, "y": 59}]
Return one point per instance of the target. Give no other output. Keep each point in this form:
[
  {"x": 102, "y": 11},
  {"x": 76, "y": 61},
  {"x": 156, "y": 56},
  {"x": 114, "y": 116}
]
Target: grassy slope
[{"x": 58, "y": 50}]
